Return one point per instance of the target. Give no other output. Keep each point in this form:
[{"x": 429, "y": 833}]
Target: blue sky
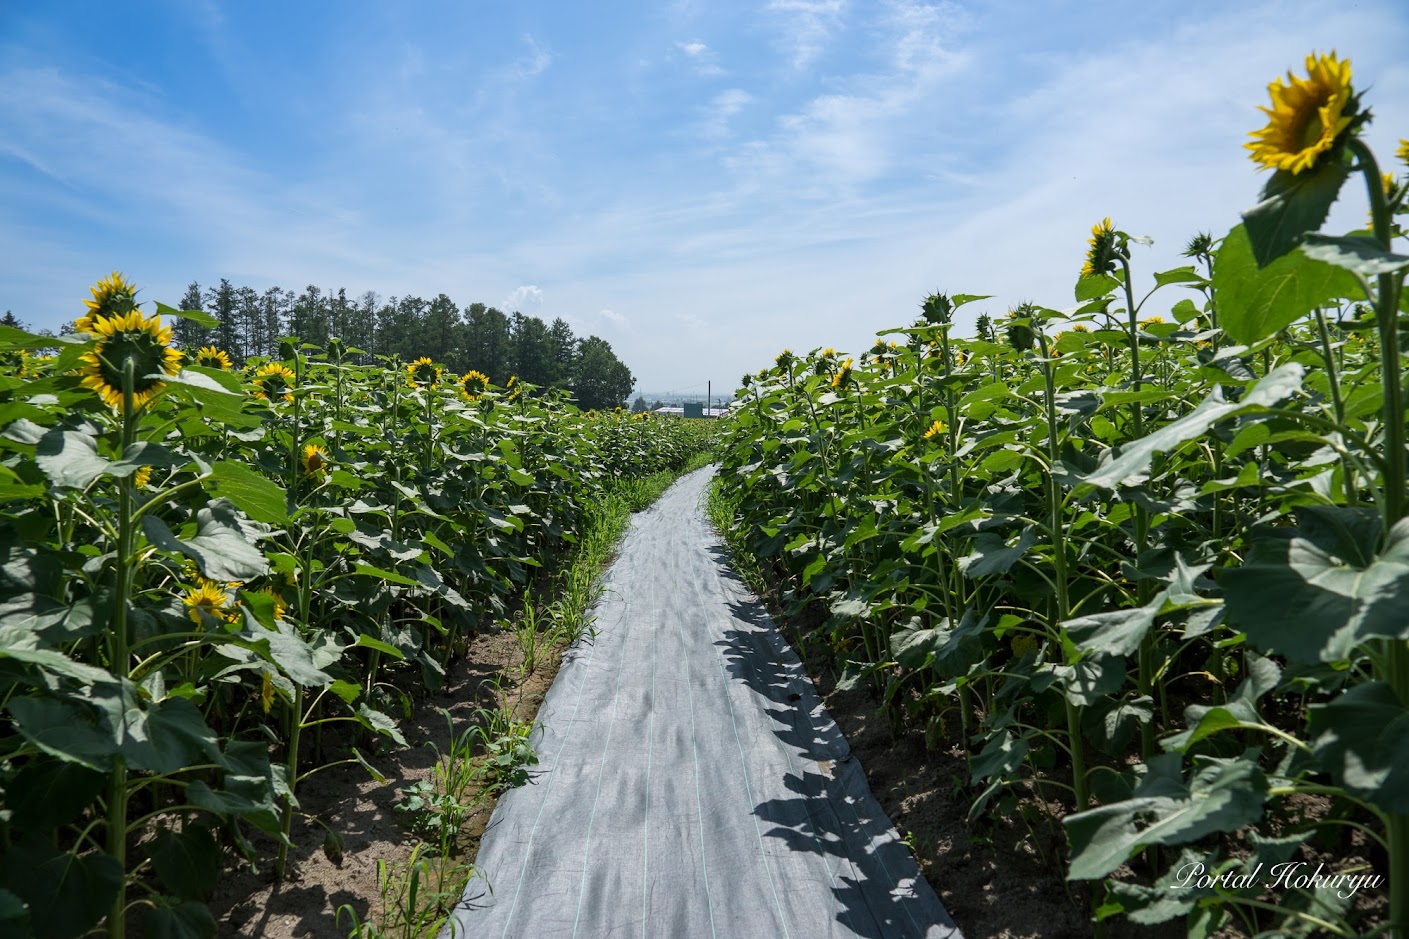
[{"x": 699, "y": 183}]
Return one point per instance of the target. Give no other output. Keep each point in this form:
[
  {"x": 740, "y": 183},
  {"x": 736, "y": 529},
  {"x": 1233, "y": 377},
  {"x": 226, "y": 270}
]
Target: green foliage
[
  {"x": 187, "y": 587},
  {"x": 1064, "y": 525}
]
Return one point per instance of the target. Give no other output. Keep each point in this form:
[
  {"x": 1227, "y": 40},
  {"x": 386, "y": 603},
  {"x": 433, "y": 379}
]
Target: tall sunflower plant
[
  {"x": 1318, "y": 598},
  {"x": 127, "y": 552}
]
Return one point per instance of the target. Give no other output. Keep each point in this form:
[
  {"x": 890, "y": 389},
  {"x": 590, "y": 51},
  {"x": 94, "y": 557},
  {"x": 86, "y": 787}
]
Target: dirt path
[{"x": 690, "y": 781}]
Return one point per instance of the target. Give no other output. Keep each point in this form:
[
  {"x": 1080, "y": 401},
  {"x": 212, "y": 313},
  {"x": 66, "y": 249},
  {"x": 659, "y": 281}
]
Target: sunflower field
[
  {"x": 201, "y": 569},
  {"x": 1153, "y": 566}
]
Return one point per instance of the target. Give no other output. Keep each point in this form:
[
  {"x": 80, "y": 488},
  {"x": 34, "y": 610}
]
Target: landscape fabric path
[{"x": 690, "y": 782}]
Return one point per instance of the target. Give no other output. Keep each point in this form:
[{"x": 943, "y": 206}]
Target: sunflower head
[
  {"x": 785, "y": 358},
  {"x": 1155, "y": 320},
  {"x": 937, "y": 308},
  {"x": 280, "y": 605},
  {"x": 1199, "y": 246},
  {"x": 315, "y": 461},
  {"x": 1080, "y": 328},
  {"x": 143, "y": 477},
  {"x": 274, "y": 381},
  {"x": 473, "y": 384},
  {"x": 1104, "y": 249},
  {"x": 423, "y": 373},
  {"x": 1402, "y": 154},
  {"x": 935, "y": 429},
  {"x": 1022, "y": 644},
  {"x": 1020, "y": 333},
  {"x": 112, "y": 296},
  {"x": 211, "y": 357},
  {"x": 129, "y": 337},
  {"x": 843, "y": 375},
  {"x": 1308, "y": 117},
  {"x": 207, "y": 599}
]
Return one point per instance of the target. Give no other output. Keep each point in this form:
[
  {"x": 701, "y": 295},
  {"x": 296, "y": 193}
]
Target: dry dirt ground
[{"x": 360, "y": 809}]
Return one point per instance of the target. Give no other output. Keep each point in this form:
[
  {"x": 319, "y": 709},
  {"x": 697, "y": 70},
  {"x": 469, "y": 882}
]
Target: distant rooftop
[{"x": 680, "y": 412}]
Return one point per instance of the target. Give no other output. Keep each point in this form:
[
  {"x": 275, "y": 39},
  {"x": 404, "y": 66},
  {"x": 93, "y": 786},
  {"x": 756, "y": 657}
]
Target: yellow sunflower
[
  {"x": 280, "y": 605},
  {"x": 423, "y": 373},
  {"x": 784, "y": 359},
  {"x": 211, "y": 357},
  {"x": 843, "y": 375},
  {"x": 210, "y": 598},
  {"x": 15, "y": 360},
  {"x": 112, "y": 296},
  {"x": 473, "y": 384},
  {"x": 315, "y": 461},
  {"x": 1152, "y": 321},
  {"x": 1403, "y": 152},
  {"x": 1101, "y": 255},
  {"x": 273, "y": 381},
  {"x": 1307, "y": 117},
  {"x": 143, "y": 477},
  {"x": 937, "y": 428},
  {"x": 129, "y": 337}
]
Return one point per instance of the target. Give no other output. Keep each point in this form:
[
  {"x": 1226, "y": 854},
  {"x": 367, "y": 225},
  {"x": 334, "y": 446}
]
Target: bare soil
[
  {"x": 324, "y": 876},
  {"x": 1001, "y": 876}
]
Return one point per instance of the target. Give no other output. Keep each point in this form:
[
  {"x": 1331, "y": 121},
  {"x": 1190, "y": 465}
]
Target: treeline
[{"x": 478, "y": 337}]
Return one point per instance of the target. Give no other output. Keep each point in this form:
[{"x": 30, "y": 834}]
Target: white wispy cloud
[
  {"x": 524, "y": 299},
  {"x": 720, "y": 111},
  {"x": 857, "y": 133},
  {"x": 805, "y": 27},
  {"x": 702, "y": 58}
]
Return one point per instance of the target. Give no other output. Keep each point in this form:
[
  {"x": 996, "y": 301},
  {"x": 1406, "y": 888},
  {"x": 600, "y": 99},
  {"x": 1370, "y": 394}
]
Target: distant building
[{"x": 692, "y": 410}]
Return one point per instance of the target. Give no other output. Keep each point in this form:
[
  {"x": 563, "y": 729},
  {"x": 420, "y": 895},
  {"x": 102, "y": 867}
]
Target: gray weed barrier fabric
[{"x": 690, "y": 781}]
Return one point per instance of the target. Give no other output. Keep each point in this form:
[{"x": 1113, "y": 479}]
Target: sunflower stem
[
  {"x": 1392, "y": 665},
  {"x": 1146, "y": 653},
  {"x": 118, "y": 649}
]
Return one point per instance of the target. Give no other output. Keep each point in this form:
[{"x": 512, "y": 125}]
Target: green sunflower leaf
[
  {"x": 195, "y": 316},
  {"x": 66, "y": 729},
  {"x": 250, "y": 491},
  {"x": 220, "y": 547},
  {"x": 1095, "y": 286},
  {"x": 48, "y": 793},
  {"x": 1135, "y": 457},
  {"x": 1311, "y": 595},
  {"x": 1356, "y": 253},
  {"x": 69, "y": 458},
  {"x": 1255, "y": 301},
  {"x": 67, "y": 893},
  {"x": 188, "y": 920},
  {"x": 1222, "y": 795},
  {"x": 1292, "y": 205},
  {"x": 1362, "y": 739},
  {"x": 188, "y": 861}
]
